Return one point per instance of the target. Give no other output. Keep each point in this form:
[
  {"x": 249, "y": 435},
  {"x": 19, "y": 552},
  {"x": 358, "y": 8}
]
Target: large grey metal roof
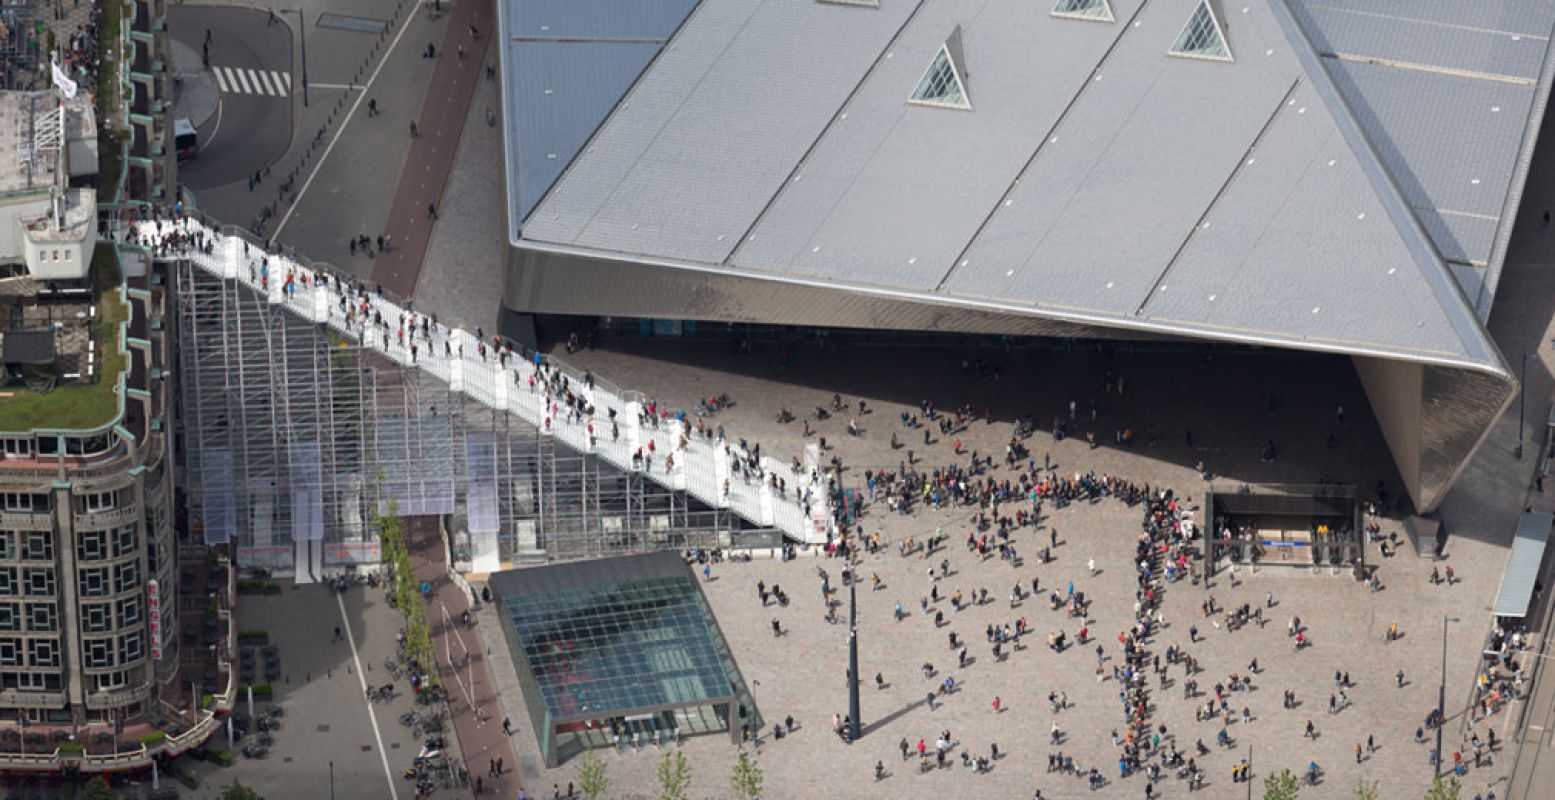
[
  {"x": 1331, "y": 188},
  {"x": 566, "y": 63},
  {"x": 1450, "y": 95}
]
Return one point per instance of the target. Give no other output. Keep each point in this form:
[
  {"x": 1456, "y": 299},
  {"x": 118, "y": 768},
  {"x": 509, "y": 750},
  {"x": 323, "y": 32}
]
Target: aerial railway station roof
[
  {"x": 1330, "y": 175},
  {"x": 1336, "y": 175}
]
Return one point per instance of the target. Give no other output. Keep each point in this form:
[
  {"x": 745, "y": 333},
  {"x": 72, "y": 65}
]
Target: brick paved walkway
[
  {"x": 473, "y": 705},
  {"x": 432, "y": 153}
]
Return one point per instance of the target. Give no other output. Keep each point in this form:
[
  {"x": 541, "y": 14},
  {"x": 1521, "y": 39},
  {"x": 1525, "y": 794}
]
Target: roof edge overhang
[
  {"x": 1461, "y": 310},
  {"x": 1514, "y": 191},
  {"x": 1496, "y": 367},
  {"x": 510, "y": 191}
]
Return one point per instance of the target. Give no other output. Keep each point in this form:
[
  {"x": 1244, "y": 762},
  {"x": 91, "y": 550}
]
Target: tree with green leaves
[
  {"x": 592, "y": 778},
  {"x": 98, "y": 789},
  {"x": 674, "y": 776},
  {"x": 1281, "y": 786},
  {"x": 1444, "y": 788},
  {"x": 1365, "y": 789},
  {"x": 746, "y": 778},
  {"x": 237, "y": 791}
]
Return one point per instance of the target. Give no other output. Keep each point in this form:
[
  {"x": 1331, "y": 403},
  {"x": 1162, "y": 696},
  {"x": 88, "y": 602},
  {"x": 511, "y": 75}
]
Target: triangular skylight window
[
  {"x": 1094, "y": 10},
  {"x": 1204, "y": 36},
  {"x": 944, "y": 83},
  {"x": 859, "y": 3}
]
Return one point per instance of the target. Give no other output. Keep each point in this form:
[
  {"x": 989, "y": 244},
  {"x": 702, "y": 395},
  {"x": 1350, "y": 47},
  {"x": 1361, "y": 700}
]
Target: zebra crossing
[{"x": 239, "y": 80}]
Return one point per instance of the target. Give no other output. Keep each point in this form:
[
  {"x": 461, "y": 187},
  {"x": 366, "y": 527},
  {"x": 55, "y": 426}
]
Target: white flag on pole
[{"x": 63, "y": 81}]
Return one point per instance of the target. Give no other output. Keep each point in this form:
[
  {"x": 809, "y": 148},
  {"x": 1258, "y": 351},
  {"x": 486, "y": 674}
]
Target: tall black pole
[
  {"x": 1441, "y": 701},
  {"x": 302, "y": 33},
  {"x": 1522, "y": 395},
  {"x": 853, "y": 679}
]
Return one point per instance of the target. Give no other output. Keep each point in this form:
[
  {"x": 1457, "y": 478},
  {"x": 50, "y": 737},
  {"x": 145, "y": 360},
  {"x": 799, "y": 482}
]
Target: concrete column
[{"x": 65, "y": 583}]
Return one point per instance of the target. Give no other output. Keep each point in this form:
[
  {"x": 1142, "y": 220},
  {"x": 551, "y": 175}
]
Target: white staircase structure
[{"x": 716, "y": 472}]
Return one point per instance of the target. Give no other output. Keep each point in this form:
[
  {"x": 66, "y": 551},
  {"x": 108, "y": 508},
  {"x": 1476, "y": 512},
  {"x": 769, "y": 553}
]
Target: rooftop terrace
[{"x": 86, "y": 345}]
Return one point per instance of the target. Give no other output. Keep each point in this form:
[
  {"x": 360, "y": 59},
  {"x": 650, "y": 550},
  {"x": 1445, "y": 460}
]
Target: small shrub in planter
[
  {"x": 222, "y": 757},
  {"x": 153, "y": 739},
  {"x": 188, "y": 778},
  {"x": 71, "y": 748},
  {"x": 207, "y": 701},
  {"x": 272, "y": 588},
  {"x": 262, "y": 689},
  {"x": 251, "y": 587},
  {"x": 254, "y": 637}
]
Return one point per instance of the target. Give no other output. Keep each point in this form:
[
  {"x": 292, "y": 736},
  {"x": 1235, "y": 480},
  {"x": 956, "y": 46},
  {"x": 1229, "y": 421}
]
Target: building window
[
  {"x": 70, "y": 255},
  {"x": 42, "y": 618},
  {"x": 943, "y": 83},
  {"x": 126, "y": 577},
  {"x": 39, "y": 581},
  {"x": 10, "y": 617},
  {"x": 94, "y": 582},
  {"x": 37, "y": 682},
  {"x": 129, "y": 647},
  {"x": 128, "y": 612},
  {"x": 40, "y": 546},
  {"x": 8, "y": 544},
  {"x": 91, "y": 545},
  {"x": 16, "y": 448},
  {"x": 99, "y": 653},
  {"x": 24, "y": 503},
  {"x": 10, "y": 652},
  {"x": 99, "y": 501},
  {"x": 1202, "y": 36},
  {"x": 125, "y": 541},
  {"x": 110, "y": 681},
  {"x": 94, "y": 617},
  {"x": 42, "y": 653},
  {"x": 9, "y": 583}
]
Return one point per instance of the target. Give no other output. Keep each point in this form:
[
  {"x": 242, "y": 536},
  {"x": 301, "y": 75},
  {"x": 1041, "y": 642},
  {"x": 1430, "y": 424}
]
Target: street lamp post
[
  {"x": 1249, "y": 772},
  {"x": 853, "y": 680},
  {"x": 302, "y": 33},
  {"x": 1441, "y": 697},
  {"x": 1522, "y": 399}
]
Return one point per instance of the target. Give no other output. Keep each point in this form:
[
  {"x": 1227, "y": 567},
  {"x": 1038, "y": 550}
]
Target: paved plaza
[{"x": 802, "y": 674}]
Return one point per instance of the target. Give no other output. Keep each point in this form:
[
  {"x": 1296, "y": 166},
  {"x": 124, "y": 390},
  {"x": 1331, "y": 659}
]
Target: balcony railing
[
  {"x": 19, "y": 699},
  {"x": 121, "y": 697}
]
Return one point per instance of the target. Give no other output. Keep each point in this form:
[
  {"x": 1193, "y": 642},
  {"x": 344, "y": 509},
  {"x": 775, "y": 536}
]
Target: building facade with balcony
[
  {"x": 99, "y": 670},
  {"x": 151, "y": 174},
  {"x": 87, "y": 547}
]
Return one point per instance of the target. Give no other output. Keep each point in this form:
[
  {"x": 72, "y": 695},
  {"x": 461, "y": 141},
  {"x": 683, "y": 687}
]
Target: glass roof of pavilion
[{"x": 628, "y": 642}]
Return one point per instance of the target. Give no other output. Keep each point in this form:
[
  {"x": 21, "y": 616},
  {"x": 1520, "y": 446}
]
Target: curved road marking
[{"x": 212, "y": 135}]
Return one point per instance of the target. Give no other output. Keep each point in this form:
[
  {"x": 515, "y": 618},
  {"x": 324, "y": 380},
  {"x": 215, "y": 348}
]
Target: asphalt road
[{"x": 252, "y": 64}]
